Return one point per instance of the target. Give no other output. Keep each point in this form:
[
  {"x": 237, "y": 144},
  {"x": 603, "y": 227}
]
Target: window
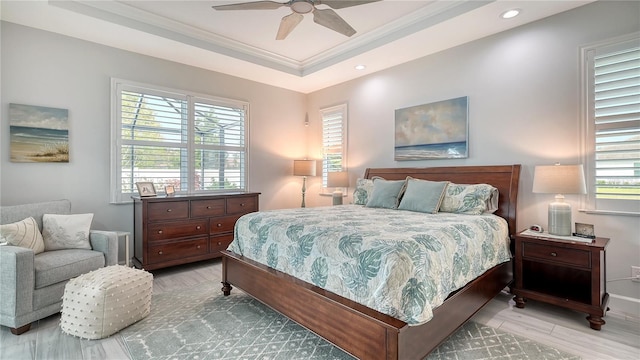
[
  {"x": 195, "y": 143},
  {"x": 612, "y": 125},
  {"x": 334, "y": 140}
]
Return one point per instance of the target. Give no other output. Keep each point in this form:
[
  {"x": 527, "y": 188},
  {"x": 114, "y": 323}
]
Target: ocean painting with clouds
[
  {"x": 437, "y": 130},
  {"x": 38, "y": 134}
]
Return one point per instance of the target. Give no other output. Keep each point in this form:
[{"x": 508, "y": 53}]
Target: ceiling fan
[{"x": 325, "y": 17}]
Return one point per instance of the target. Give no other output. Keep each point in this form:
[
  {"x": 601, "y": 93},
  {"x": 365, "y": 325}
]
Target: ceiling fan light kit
[
  {"x": 301, "y": 6},
  {"x": 325, "y": 17}
]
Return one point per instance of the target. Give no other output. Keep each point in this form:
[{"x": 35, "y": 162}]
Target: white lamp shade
[
  {"x": 559, "y": 179},
  {"x": 338, "y": 179},
  {"x": 304, "y": 167}
]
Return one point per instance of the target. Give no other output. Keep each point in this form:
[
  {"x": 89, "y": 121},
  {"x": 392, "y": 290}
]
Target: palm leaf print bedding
[{"x": 400, "y": 263}]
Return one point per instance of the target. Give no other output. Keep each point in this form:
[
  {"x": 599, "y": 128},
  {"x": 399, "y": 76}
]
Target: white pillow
[
  {"x": 66, "y": 231},
  {"x": 23, "y": 233}
]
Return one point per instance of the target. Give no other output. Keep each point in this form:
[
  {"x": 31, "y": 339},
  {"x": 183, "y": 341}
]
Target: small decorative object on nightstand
[{"x": 562, "y": 272}]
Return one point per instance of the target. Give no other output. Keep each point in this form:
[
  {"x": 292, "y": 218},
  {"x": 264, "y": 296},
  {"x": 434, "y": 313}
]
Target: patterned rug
[{"x": 202, "y": 324}]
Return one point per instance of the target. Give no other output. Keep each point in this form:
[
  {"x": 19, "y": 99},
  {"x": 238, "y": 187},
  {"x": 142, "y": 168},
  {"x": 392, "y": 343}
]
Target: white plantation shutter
[
  {"x": 220, "y": 144},
  {"x": 334, "y": 137},
  {"x": 613, "y": 126},
  {"x": 166, "y": 137}
]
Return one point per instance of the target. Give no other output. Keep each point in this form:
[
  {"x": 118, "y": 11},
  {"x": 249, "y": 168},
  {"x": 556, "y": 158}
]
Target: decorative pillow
[
  {"x": 66, "y": 231},
  {"x": 470, "y": 199},
  {"x": 385, "y": 193},
  {"x": 362, "y": 191},
  {"x": 23, "y": 233},
  {"x": 422, "y": 195}
]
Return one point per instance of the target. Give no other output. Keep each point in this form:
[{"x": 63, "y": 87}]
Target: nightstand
[{"x": 564, "y": 273}]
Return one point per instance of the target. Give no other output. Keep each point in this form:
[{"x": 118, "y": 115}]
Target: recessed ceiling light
[
  {"x": 510, "y": 13},
  {"x": 360, "y": 67}
]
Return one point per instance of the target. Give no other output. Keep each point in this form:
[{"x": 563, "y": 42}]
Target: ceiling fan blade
[
  {"x": 341, "y": 4},
  {"x": 287, "y": 24},
  {"x": 330, "y": 19},
  {"x": 256, "y": 5}
]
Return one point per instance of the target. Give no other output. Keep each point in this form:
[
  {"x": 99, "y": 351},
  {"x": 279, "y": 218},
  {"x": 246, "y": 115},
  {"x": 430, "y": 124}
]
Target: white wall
[
  {"x": 523, "y": 89},
  {"x": 46, "y": 69}
]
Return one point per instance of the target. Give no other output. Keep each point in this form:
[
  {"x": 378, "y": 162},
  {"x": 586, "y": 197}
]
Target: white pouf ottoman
[{"x": 105, "y": 301}]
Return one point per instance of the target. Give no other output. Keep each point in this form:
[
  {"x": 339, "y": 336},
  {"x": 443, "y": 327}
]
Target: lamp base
[
  {"x": 337, "y": 198},
  {"x": 560, "y": 218}
]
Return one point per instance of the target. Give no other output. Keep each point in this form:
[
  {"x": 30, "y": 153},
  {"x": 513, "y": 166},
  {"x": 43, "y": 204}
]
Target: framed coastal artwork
[
  {"x": 38, "y": 134},
  {"x": 438, "y": 130}
]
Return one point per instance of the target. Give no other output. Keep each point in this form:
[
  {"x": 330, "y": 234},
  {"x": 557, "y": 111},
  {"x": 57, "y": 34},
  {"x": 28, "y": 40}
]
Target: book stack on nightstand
[{"x": 566, "y": 273}]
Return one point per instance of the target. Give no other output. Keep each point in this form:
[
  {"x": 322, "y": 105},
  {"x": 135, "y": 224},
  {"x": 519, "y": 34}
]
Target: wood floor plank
[{"x": 52, "y": 343}]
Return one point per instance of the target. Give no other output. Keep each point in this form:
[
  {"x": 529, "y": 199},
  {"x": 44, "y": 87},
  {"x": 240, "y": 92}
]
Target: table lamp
[
  {"x": 338, "y": 180},
  {"x": 559, "y": 179},
  {"x": 304, "y": 168}
]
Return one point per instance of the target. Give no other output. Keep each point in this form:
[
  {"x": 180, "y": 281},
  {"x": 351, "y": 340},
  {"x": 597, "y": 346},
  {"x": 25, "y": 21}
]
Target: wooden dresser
[{"x": 177, "y": 230}]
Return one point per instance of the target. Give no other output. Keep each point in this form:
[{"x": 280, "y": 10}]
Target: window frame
[
  {"x": 589, "y": 202},
  {"x": 343, "y": 110},
  {"x": 191, "y": 98}
]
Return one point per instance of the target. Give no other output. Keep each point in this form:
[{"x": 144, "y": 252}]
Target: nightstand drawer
[{"x": 556, "y": 254}]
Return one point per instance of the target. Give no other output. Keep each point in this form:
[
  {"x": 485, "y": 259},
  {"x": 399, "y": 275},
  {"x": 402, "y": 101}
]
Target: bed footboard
[{"x": 357, "y": 329}]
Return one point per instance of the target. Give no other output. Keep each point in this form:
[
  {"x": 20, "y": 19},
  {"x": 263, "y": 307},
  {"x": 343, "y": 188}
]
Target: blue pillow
[
  {"x": 385, "y": 194},
  {"x": 423, "y": 195}
]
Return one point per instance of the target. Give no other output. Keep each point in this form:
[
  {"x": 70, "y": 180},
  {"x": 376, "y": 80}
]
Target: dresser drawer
[
  {"x": 178, "y": 250},
  {"x": 168, "y": 210},
  {"x": 556, "y": 254},
  {"x": 219, "y": 243},
  {"x": 222, "y": 224},
  {"x": 177, "y": 229},
  {"x": 203, "y": 208},
  {"x": 242, "y": 205}
]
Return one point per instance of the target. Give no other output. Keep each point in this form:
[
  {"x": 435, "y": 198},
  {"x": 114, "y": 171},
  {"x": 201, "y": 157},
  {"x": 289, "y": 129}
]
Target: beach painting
[
  {"x": 38, "y": 134},
  {"x": 437, "y": 130}
]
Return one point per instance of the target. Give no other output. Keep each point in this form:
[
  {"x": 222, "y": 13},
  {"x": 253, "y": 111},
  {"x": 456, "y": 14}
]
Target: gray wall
[
  {"x": 523, "y": 89},
  {"x": 523, "y": 102},
  {"x": 46, "y": 69}
]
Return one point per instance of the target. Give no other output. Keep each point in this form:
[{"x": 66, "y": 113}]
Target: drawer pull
[
  {"x": 159, "y": 231},
  {"x": 554, "y": 254},
  {"x": 168, "y": 210},
  {"x": 198, "y": 227},
  {"x": 208, "y": 207},
  {"x": 241, "y": 204},
  {"x": 219, "y": 243},
  {"x": 219, "y": 225},
  {"x": 159, "y": 252},
  {"x": 198, "y": 247}
]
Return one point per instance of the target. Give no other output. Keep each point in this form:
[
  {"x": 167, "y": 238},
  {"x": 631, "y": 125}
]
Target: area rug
[{"x": 202, "y": 324}]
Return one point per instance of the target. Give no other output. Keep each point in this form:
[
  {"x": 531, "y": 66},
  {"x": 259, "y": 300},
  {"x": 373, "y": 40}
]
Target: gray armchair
[{"x": 32, "y": 286}]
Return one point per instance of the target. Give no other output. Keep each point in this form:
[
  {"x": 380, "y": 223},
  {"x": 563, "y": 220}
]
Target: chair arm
[
  {"x": 107, "y": 243},
  {"x": 17, "y": 281}
]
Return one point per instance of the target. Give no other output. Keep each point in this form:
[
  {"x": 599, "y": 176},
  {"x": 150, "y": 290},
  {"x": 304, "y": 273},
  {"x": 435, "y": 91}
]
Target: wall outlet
[{"x": 635, "y": 273}]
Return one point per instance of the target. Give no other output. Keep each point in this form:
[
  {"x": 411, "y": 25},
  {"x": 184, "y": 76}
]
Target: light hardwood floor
[{"x": 563, "y": 329}]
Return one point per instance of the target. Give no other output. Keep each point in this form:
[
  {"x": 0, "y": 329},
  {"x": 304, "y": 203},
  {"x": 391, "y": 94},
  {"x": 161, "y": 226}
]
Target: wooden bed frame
[{"x": 364, "y": 332}]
